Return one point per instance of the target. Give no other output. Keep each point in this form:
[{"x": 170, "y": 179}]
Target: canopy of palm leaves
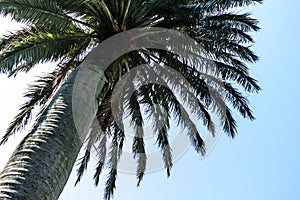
[{"x": 65, "y": 31}]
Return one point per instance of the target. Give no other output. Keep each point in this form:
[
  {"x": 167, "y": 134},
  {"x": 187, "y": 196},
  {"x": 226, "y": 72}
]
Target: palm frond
[
  {"x": 35, "y": 94},
  {"x": 220, "y": 5},
  {"x": 110, "y": 184},
  {"x": 138, "y": 147},
  {"x": 240, "y": 76},
  {"x": 160, "y": 123},
  {"x": 83, "y": 165},
  {"x": 230, "y": 126},
  {"x": 21, "y": 54},
  {"x": 41, "y": 92},
  {"x": 45, "y": 13},
  {"x": 101, "y": 152},
  {"x": 238, "y": 101}
]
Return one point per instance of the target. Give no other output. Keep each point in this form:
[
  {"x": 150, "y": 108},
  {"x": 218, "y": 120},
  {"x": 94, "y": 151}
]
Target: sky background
[{"x": 261, "y": 163}]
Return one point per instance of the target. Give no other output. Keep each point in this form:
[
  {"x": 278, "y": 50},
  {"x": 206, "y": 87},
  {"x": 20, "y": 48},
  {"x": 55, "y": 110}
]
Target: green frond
[
  {"x": 43, "y": 13},
  {"x": 110, "y": 184},
  {"x": 240, "y": 76},
  {"x": 94, "y": 135},
  {"x": 192, "y": 132},
  {"x": 223, "y": 31},
  {"x": 83, "y": 165},
  {"x": 101, "y": 153},
  {"x": 199, "y": 88},
  {"x": 238, "y": 101},
  {"x": 183, "y": 118},
  {"x": 229, "y": 48},
  {"x": 76, "y": 9},
  {"x": 99, "y": 9},
  {"x": 142, "y": 160},
  {"x": 138, "y": 147},
  {"x": 229, "y": 126},
  {"x": 160, "y": 123},
  {"x": 37, "y": 95},
  {"x": 167, "y": 157},
  {"x": 168, "y": 100},
  {"x": 186, "y": 122},
  {"x": 239, "y": 21},
  {"x": 22, "y": 54},
  {"x": 163, "y": 143},
  {"x": 40, "y": 93},
  {"x": 220, "y": 5}
]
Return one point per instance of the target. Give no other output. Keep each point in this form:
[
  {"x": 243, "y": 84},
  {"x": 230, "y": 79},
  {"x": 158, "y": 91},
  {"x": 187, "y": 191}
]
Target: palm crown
[{"x": 65, "y": 31}]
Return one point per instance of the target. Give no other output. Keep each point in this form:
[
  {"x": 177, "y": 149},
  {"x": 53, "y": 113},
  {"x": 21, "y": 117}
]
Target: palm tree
[{"x": 65, "y": 32}]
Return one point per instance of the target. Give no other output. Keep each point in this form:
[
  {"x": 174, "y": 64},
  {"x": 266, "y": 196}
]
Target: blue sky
[{"x": 261, "y": 163}]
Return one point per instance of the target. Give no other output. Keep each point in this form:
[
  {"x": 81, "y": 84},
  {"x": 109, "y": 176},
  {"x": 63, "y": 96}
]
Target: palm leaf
[
  {"x": 21, "y": 54},
  {"x": 46, "y": 13}
]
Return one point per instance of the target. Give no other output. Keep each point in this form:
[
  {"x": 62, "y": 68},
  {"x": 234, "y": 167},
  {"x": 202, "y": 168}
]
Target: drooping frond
[
  {"x": 96, "y": 135},
  {"x": 160, "y": 122},
  {"x": 240, "y": 76},
  {"x": 111, "y": 179},
  {"x": 184, "y": 119},
  {"x": 83, "y": 165},
  {"x": 40, "y": 93},
  {"x": 101, "y": 152},
  {"x": 238, "y": 101},
  {"x": 194, "y": 86},
  {"x": 110, "y": 184},
  {"x": 138, "y": 147},
  {"x": 36, "y": 95},
  {"x": 230, "y": 126}
]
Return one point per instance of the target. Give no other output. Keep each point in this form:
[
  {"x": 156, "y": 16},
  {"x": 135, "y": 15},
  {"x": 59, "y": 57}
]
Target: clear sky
[{"x": 262, "y": 163}]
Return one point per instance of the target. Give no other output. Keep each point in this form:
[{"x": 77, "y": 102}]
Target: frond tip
[{"x": 83, "y": 166}]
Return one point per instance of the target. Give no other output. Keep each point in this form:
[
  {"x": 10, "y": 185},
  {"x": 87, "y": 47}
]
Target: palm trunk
[{"x": 40, "y": 166}]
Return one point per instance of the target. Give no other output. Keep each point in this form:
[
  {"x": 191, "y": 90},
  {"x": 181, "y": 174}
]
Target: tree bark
[{"x": 40, "y": 166}]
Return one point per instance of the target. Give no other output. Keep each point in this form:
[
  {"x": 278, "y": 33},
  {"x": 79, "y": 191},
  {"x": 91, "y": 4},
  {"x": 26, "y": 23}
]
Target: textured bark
[{"x": 40, "y": 166}]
